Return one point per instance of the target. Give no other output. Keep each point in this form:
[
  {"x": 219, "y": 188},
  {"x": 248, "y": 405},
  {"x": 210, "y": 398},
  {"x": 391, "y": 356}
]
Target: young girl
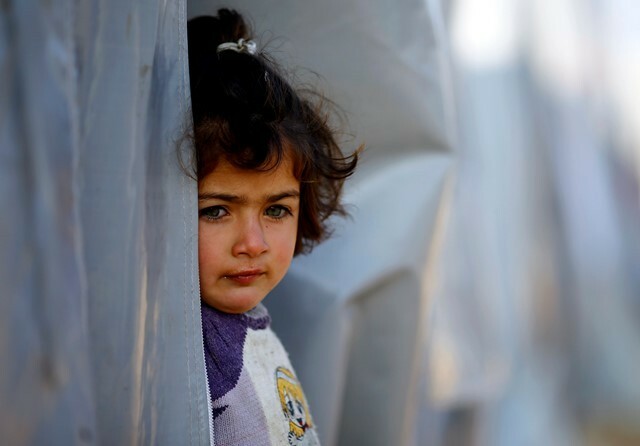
[{"x": 269, "y": 175}]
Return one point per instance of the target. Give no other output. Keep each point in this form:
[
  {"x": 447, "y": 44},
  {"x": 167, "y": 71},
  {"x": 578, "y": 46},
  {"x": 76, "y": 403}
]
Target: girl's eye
[
  {"x": 277, "y": 212},
  {"x": 213, "y": 212}
]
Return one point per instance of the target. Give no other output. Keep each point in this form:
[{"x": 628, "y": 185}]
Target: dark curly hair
[{"x": 245, "y": 111}]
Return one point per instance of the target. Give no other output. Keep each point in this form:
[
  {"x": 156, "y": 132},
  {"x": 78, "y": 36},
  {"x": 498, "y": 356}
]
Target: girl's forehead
[{"x": 227, "y": 177}]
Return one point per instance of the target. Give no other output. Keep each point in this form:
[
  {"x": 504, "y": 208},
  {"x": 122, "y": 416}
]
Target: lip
[{"x": 245, "y": 277}]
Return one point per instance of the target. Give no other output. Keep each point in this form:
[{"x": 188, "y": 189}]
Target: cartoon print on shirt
[{"x": 294, "y": 405}]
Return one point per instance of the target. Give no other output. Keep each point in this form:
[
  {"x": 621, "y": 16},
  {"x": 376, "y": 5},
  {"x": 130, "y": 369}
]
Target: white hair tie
[{"x": 241, "y": 46}]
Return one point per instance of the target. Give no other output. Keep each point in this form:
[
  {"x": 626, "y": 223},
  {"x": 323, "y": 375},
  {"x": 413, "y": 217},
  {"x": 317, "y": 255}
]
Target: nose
[{"x": 250, "y": 240}]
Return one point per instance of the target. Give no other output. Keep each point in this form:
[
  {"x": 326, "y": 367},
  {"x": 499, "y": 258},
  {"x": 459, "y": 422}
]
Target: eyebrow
[{"x": 242, "y": 199}]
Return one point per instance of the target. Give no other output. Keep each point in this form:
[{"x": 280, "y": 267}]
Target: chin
[{"x": 236, "y": 303}]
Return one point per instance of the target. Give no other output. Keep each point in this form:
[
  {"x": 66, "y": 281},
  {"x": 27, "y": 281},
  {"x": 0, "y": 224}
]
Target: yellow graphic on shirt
[{"x": 294, "y": 405}]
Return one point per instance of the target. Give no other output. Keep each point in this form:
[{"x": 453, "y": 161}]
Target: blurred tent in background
[
  {"x": 501, "y": 308},
  {"x": 536, "y": 320}
]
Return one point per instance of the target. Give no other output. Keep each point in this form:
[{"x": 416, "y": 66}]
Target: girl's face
[{"x": 247, "y": 230}]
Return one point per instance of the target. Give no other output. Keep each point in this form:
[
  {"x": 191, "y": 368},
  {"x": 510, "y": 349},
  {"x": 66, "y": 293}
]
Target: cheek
[
  {"x": 283, "y": 243},
  {"x": 209, "y": 246}
]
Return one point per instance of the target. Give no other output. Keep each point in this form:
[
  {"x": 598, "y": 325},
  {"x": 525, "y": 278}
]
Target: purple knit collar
[{"x": 224, "y": 336}]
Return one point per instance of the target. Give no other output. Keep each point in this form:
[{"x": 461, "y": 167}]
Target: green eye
[
  {"x": 213, "y": 212},
  {"x": 276, "y": 212}
]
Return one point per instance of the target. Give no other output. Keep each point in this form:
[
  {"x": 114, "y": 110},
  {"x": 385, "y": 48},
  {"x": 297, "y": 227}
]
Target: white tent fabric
[
  {"x": 100, "y": 322},
  {"x": 45, "y": 384}
]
